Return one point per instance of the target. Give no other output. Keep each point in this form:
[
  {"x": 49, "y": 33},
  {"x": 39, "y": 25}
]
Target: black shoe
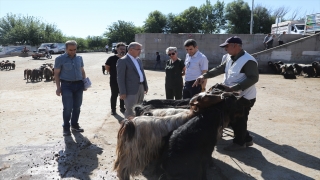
[
  {"x": 66, "y": 132},
  {"x": 122, "y": 110},
  {"x": 77, "y": 128},
  {"x": 113, "y": 112}
]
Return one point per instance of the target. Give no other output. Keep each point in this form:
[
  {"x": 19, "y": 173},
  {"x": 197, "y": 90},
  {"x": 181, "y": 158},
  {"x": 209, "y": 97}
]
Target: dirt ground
[{"x": 284, "y": 123}]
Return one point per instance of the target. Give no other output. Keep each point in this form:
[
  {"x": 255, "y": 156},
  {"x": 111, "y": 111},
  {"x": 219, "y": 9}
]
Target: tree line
[{"x": 233, "y": 18}]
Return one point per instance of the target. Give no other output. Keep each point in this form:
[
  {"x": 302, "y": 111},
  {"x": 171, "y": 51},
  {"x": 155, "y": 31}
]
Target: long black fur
[{"x": 191, "y": 145}]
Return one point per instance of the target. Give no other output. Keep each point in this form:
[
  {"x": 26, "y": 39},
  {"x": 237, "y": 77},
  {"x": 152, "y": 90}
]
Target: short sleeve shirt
[
  {"x": 174, "y": 73},
  {"x": 195, "y": 65},
  {"x": 112, "y": 62},
  {"x": 70, "y": 68}
]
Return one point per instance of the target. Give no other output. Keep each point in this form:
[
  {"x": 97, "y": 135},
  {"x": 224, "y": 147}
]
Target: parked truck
[
  {"x": 290, "y": 27},
  {"x": 312, "y": 24}
]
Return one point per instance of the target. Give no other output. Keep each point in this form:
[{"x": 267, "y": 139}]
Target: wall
[
  {"x": 207, "y": 43},
  {"x": 301, "y": 51}
]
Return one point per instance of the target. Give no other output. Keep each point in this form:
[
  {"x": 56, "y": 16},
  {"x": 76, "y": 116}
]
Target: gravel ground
[{"x": 284, "y": 123}]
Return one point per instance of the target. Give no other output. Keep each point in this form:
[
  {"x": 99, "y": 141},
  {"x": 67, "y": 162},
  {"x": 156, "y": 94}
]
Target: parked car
[
  {"x": 113, "y": 50},
  {"x": 53, "y": 47}
]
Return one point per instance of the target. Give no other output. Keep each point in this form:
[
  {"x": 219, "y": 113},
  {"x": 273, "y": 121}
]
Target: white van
[
  {"x": 53, "y": 47},
  {"x": 290, "y": 27}
]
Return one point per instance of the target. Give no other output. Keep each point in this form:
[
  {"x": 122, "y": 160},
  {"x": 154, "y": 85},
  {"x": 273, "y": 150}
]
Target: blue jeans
[{"x": 71, "y": 100}]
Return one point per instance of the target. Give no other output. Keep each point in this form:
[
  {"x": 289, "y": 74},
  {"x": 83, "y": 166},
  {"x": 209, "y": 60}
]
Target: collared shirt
[
  {"x": 70, "y": 68},
  {"x": 135, "y": 62},
  {"x": 195, "y": 65},
  {"x": 250, "y": 69}
]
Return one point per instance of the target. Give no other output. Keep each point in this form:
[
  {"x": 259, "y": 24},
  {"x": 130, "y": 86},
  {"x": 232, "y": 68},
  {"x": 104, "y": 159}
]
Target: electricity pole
[{"x": 251, "y": 23}]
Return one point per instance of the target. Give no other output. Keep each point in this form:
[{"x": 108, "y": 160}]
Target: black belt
[
  {"x": 187, "y": 82},
  {"x": 141, "y": 82},
  {"x": 70, "y": 81}
]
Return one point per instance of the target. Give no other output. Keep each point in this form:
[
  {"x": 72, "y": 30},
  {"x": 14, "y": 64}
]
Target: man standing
[
  {"x": 280, "y": 38},
  {"x": 265, "y": 40},
  {"x": 69, "y": 71},
  {"x": 47, "y": 50},
  {"x": 196, "y": 64},
  {"x": 131, "y": 78},
  {"x": 111, "y": 67},
  {"x": 158, "y": 62},
  {"x": 270, "y": 41},
  {"x": 107, "y": 48},
  {"x": 240, "y": 74}
]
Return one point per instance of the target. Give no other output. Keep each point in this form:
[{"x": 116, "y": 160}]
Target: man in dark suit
[{"x": 131, "y": 78}]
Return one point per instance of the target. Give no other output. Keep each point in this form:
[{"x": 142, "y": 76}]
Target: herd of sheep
[
  {"x": 7, "y": 65},
  {"x": 45, "y": 71}
]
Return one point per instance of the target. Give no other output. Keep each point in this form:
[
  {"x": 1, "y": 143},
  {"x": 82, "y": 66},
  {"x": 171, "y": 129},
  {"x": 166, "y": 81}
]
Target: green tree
[
  {"x": 262, "y": 20},
  {"x": 191, "y": 21},
  {"x": 121, "y": 31},
  {"x": 212, "y": 17},
  {"x": 95, "y": 42},
  {"x": 188, "y": 21},
  {"x": 82, "y": 44},
  {"x": 155, "y": 23},
  {"x": 238, "y": 16},
  {"x": 27, "y": 30},
  {"x": 174, "y": 23}
]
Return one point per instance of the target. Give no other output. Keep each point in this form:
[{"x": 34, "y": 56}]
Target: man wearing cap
[{"x": 241, "y": 73}]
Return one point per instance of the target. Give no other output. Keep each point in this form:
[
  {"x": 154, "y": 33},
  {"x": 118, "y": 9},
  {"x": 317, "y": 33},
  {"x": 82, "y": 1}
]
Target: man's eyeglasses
[{"x": 171, "y": 54}]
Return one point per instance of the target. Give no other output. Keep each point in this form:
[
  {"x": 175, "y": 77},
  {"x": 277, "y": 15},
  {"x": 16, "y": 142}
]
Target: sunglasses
[{"x": 171, "y": 54}]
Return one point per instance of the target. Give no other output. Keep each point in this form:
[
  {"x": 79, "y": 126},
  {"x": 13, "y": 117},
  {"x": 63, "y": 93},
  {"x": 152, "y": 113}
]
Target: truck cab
[{"x": 290, "y": 27}]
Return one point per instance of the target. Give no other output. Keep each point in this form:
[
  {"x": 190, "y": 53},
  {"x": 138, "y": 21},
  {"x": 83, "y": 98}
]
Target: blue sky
[{"x": 81, "y": 18}]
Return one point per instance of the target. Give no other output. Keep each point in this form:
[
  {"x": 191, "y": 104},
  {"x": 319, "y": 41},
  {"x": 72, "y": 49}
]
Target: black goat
[
  {"x": 316, "y": 67},
  {"x": 190, "y": 146}
]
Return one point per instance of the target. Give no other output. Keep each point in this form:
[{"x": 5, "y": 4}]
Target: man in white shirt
[
  {"x": 196, "y": 64},
  {"x": 107, "y": 48}
]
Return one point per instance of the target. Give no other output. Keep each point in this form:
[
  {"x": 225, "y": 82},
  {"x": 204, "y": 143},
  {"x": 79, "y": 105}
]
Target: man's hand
[
  {"x": 123, "y": 96},
  {"x": 227, "y": 88},
  {"x": 145, "y": 92},
  {"x": 58, "y": 92},
  {"x": 198, "y": 81}
]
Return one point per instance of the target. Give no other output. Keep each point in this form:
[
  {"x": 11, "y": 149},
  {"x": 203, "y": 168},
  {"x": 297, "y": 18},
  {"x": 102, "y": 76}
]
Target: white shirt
[
  {"x": 195, "y": 65},
  {"x": 135, "y": 62}
]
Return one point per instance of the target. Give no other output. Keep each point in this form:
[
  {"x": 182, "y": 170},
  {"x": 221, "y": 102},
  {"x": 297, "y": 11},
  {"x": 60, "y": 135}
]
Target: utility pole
[{"x": 251, "y": 23}]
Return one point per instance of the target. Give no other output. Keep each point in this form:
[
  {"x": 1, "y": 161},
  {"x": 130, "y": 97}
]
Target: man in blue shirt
[
  {"x": 196, "y": 64},
  {"x": 69, "y": 73}
]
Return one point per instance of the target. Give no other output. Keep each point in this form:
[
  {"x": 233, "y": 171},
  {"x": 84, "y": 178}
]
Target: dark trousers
[
  {"x": 280, "y": 42},
  {"x": 114, "y": 96},
  {"x": 173, "y": 92},
  {"x": 189, "y": 91},
  {"x": 239, "y": 126},
  {"x": 157, "y": 63},
  {"x": 269, "y": 45}
]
